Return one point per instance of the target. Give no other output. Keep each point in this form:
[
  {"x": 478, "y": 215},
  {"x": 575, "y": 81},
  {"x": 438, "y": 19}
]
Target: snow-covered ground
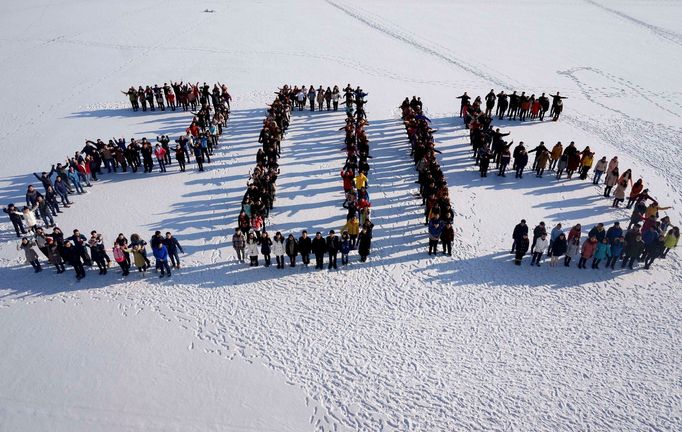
[{"x": 403, "y": 342}]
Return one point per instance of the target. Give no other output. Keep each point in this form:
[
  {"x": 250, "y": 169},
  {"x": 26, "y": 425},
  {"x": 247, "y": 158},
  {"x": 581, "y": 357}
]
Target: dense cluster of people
[
  {"x": 82, "y": 169},
  {"x": 433, "y": 188},
  {"x": 640, "y": 242},
  {"x": 251, "y": 239},
  {"x": 81, "y": 252},
  {"x": 512, "y": 105},
  {"x": 329, "y": 98},
  {"x": 177, "y": 94}
]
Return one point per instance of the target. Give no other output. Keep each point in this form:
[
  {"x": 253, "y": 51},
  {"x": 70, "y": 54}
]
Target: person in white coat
[
  {"x": 29, "y": 216},
  {"x": 539, "y": 248},
  {"x": 252, "y": 250},
  {"x": 278, "y": 249}
]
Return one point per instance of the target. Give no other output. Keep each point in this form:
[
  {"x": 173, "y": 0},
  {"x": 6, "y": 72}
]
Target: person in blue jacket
[
  {"x": 172, "y": 245},
  {"x": 614, "y": 232},
  {"x": 161, "y": 255},
  {"x": 435, "y": 230},
  {"x": 648, "y": 237},
  {"x": 617, "y": 247},
  {"x": 198, "y": 156},
  {"x": 602, "y": 252}
]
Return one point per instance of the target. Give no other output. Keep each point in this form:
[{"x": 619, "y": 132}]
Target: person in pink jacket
[
  {"x": 160, "y": 154},
  {"x": 587, "y": 251}
]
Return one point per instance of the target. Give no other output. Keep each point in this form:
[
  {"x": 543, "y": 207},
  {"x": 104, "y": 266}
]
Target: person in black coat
[
  {"x": 80, "y": 243},
  {"x": 520, "y": 230},
  {"x": 598, "y": 232},
  {"x": 18, "y": 224},
  {"x": 633, "y": 249},
  {"x": 364, "y": 244},
  {"x": 538, "y": 232},
  {"x": 558, "y": 249},
  {"x": 654, "y": 250},
  {"x": 172, "y": 246},
  {"x": 521, "y": 248},
  {"x": 291, "y": 249},
  {"x": 333, "y": 245},
  {"x": 45, "y": 178},
  {"x": 73, "y": 257},
  {"x": 520, "y": 163},
  {"x": 319, "y": 248},
  {"x": 305, "y": 245}
]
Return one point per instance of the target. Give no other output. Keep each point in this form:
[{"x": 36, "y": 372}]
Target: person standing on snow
[
  {"x": 161, "y": 255},
  {"x": 587, "y": 251},
  {"x": 520, "y": 230},
  {"x": 557, "y": 249},
  {"x": 27, "y": 246},
  {"x": 305, "y": 247},
  {"x": 539, "y": 247},
  {"x": 333, "y": 245},
  {"x": 238, "y": 243},
  {"x": 521, "y": 248},
  {"x": 435, "y": 227},
  {"x": 278, "y": 249}
]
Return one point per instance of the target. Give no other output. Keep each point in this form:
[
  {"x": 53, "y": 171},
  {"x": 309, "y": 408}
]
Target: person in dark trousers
[
  {"x": 304, "y": 247},
  {"x": 180, "y": 157},
  {"x": 15, "y": 217},
  {"x": 538, "y": 232},
  {"x": 464, "y": 102},
  {"x": 522, "y": 246},
  {"x": 490, "y": 103},
  {"x": 73, "y": 257},
  {"x": 319, "y": 248},
  {"x": 520, "y": 230},
  {"x": 447, "y": 237},
  {"x": 291, "y": 249},
  {"x": 333, "y": 245},
  {"x": 161, "y": 255},
  {"x": 79, "y": 245},
  {"x": 633, "y": 249},
  {"x": 172, "y": 245},
  {"x": 198, "y": 156},
  {"x": 520, "y": 163},
  {"x": 364, "y": 244},
  {"x": 654, "y": 250}
]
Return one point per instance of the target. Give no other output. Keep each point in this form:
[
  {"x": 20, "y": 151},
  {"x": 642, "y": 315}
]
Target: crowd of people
[
  {"x": 83, "y": 253},
  {"x": 251, "y": 239},
  {"x": 512, "y": 105},
  {"x": 433, "y": 188},
  {"x": 640, "y": 242},
  {"x": 182, "y": 95},
  {"x": 81, "y": 171}
]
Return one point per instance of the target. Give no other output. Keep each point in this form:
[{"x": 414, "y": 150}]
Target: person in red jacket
[
  {"x": 347, "y": 176},
  {"x": 160, "y": 154},
  {"x": 587, "y": 251}
]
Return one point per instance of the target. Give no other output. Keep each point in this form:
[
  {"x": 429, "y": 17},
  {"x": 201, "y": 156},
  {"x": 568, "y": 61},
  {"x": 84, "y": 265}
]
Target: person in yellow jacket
[
  {"x": 353, "y": 228},
  {"x": 586, "y": 163},
  {"x": 653, "y": 209},
  {"x": 555, "y": 155},
  {"x": 670, "y": 241},
  {"x": 361, "y": 180}
]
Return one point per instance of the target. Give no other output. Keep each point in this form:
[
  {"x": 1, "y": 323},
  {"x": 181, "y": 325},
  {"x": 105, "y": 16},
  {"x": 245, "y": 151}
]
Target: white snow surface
[{"x": 403, "y": 342}]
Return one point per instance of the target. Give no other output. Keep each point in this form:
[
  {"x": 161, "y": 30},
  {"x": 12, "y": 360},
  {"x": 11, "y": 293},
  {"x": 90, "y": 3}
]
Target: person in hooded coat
[
  {"x": 558, "y": 249},
  {"x": 587, "y": 251},
  {"x": 364, "y": 244},
  {"x": 291, "y": 248},
  {"x": 522, "y": 246}
]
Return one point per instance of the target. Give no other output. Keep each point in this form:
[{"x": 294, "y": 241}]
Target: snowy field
[{"x": 404, "y": 342}]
